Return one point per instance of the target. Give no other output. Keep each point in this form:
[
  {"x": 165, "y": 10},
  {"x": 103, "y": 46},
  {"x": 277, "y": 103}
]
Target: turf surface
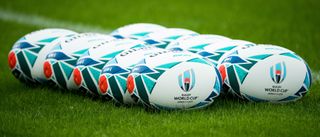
[{"x": 42, "y": 111}]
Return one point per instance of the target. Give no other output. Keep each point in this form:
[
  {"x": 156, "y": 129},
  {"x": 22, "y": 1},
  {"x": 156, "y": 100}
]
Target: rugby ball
[
  {"x": 266, "y": 73},
  {"x": 28, "y": 53},
  {"x": 172, "y": 80}
]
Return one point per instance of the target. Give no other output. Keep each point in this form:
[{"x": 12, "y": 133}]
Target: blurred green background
[{"x": 42, "y": 111}]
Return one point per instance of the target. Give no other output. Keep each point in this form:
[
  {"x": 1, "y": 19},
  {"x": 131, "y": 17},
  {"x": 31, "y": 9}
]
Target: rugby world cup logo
[
  {"x": 187, "y": 80},
  {"x": 278, "y": 72}
]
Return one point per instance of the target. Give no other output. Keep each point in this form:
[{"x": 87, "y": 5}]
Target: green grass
[{"x": 43, "y": 111}]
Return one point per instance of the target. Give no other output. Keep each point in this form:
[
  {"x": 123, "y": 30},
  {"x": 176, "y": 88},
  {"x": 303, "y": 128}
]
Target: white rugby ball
[
  {"x": 174, "y": 80},
  {"x": 28, "y": 53},
  {"x": 266, "y": 73}
]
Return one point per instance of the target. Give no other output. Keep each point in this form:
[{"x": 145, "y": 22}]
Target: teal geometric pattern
[
  {"x": 168, "y": 65},
  {"x": 162, "y": 45},
  {"x": 141, "y": 34},
  {"x": 242, "y": 73},
  {"x": 89, "y": 83},
  {"x": 149, "y": 82},
  {"x": 57, "y": 47},
  {"x": 31, "y": 57},
  {"x": 227, "y": 48},
  {"x": 217, "y": 86},
  {"x": 141, "y": 90},
  {"x": 158, "y": 74},
  {"x": 99, "y": 66},
  {"x": 80, "y": 52},
  {"x": 233, "y": 80},
  {"x": 23, "y": 65},
  {"x": 308, "y": 79},
  {"x": 238, "y": 70},
  {"x": 173, "y": 37},
  {"x": 72, "y": 61},
  {"x": 66, "y": 69},
  {"x": 248, "y": 65},
  {"x": 138, "y": 46},
  {"x": 112, "y": 61},
  {"x": 37, "y": 50},
  {"x": 48, "y": 40},
  {"x": 199, "y": 47},
  {"x": 292, "y": 55},
  {"x": 59, "y": 75},
  {"x": 198, "y": 60},
  {"x": 111, "y": 55},
  {"x": 260, "y": 57},
  {"x": 215, "y": 56},
  {"x": 95, "y": 73},
  {"x": 123, "y": 83}
]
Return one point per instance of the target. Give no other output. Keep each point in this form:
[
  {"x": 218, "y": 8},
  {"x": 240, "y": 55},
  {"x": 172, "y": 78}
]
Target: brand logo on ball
[
  {"x": 278, "y": 72},
  {"x": 187, "y": 80}
]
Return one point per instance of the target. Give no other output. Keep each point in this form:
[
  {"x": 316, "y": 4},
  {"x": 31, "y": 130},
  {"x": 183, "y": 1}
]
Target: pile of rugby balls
[{"x": 161, "y": 68}]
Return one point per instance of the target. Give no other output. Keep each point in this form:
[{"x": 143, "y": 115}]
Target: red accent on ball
[
  {"x": 187, "y": 80},
  {"x": 222, "y": 70},
  {"x": 77, "y": 76},
  {"x": 103, "y": 84},
  {"x": 47, "y": 70},
  {"x": 12, "y": 60},
  {"x": 130, "y": 84}
]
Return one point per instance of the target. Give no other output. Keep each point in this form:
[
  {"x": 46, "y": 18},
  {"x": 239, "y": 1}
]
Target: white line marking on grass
[
  {"x": 316, "y": 76},
  {"x": 35, "y": 20}
]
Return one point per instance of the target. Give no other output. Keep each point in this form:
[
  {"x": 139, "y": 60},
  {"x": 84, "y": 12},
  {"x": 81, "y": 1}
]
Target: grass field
[{"x": 43, "y": 111}]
